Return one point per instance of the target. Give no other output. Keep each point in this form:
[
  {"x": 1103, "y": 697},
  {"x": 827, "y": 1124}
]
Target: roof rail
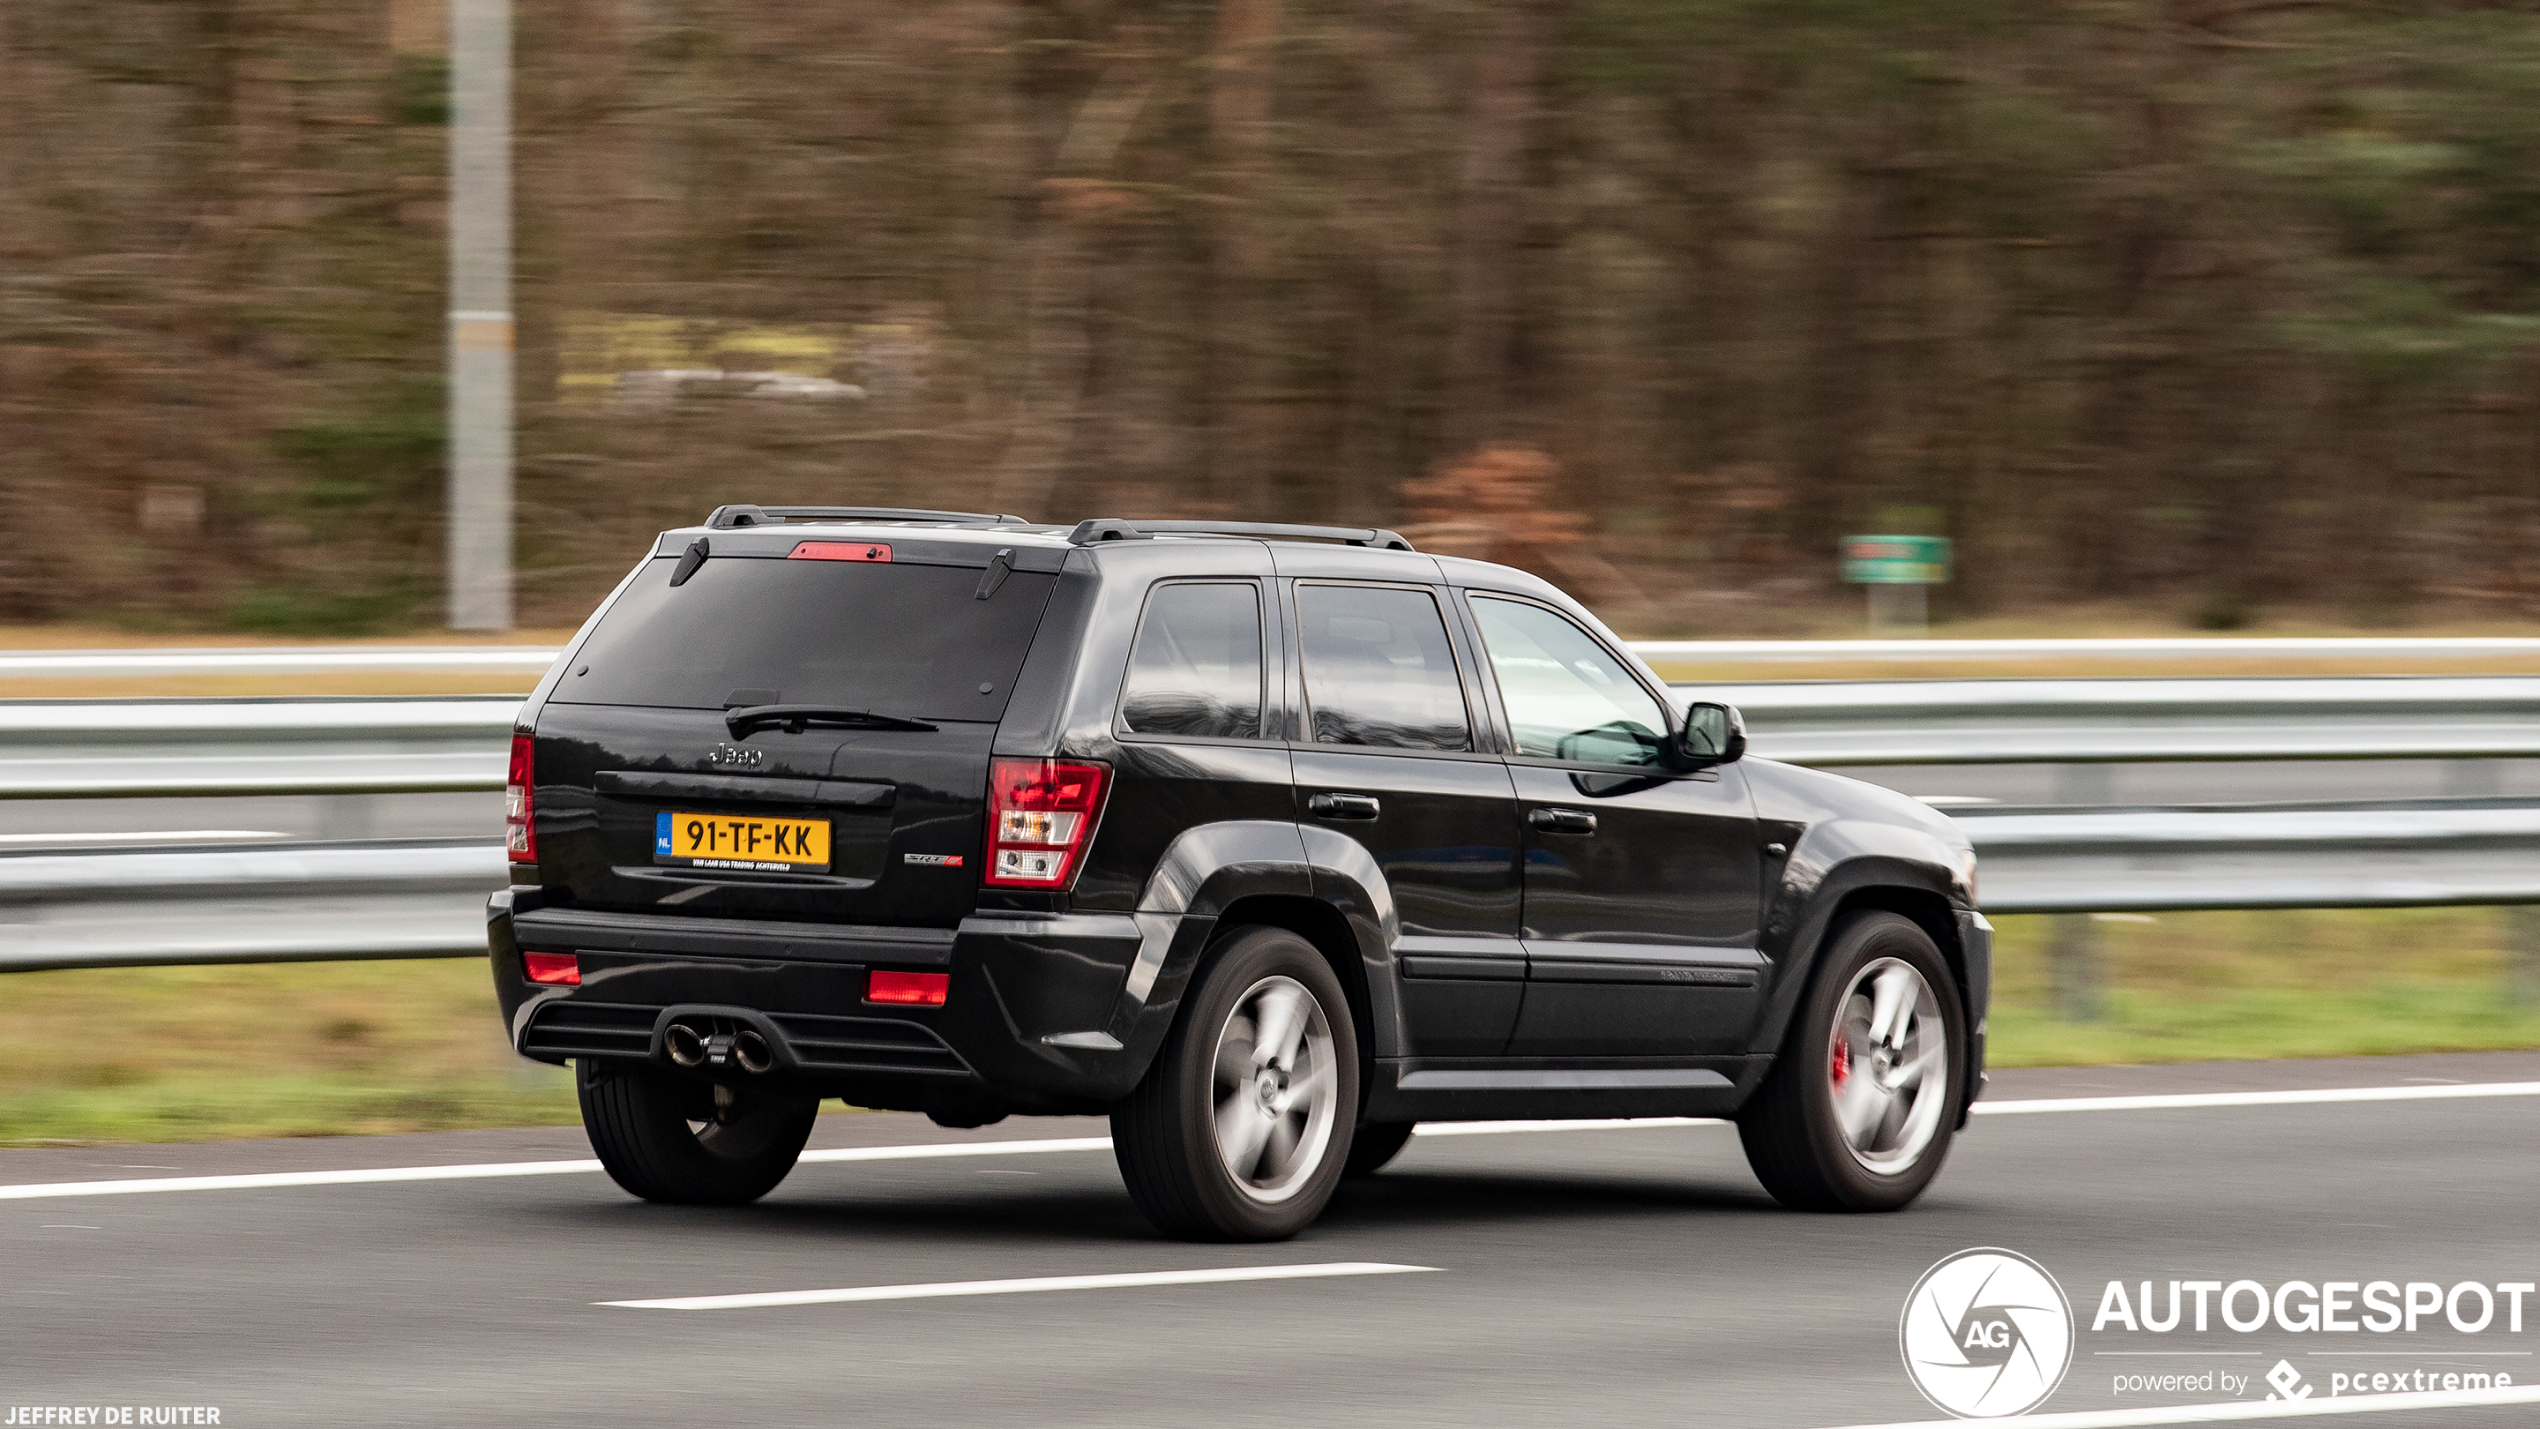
[
  {"x": 727, "y": 517},
  {"x": 1096, "y": 529}
]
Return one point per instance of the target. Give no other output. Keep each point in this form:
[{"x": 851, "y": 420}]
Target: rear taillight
[
  {"x": 518, "y": 830},
  {"x": 1040, "y": 814},
  {"x": 556, "y": 969}
]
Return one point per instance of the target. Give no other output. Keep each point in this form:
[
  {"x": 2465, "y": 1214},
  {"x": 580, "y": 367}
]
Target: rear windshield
[{"x": 895, "y": 639}]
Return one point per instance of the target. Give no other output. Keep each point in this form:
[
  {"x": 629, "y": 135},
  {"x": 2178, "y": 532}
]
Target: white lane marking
[
  {"x": 2293, "y": 1098},
  {"x": 160, "y": 836},
  {"x": 1019, "y": 1287},
  {"x": 271, "y": 1179},
  {"x": 2251, "y": 1409},
  {"x": 274, "y": 1179}
]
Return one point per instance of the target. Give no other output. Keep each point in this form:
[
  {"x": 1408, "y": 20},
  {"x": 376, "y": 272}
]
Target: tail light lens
[
  {"x": 518, "y": 830},
  {"x": 912, "y": 989},
  {"x": 1040, "y": 815},
  {"x": 556, "y": 969}
]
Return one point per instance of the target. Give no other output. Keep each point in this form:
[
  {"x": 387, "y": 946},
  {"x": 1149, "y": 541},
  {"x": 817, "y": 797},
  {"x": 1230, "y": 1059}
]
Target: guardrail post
[
  {"x": 2522, "y": 953},
  {"x": 2073, "y": 966}
]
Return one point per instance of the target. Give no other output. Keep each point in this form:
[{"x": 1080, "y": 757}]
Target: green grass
[
  {"x": 190, "y": 1054},
  {"x": 2192, "y": 987}
]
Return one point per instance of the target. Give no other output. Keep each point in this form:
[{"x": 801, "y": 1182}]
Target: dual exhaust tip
[{"x": 746, "y": 1048}]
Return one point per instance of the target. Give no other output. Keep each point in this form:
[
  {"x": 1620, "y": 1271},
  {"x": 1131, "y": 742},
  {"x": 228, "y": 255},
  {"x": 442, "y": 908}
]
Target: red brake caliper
[{"x": 1842, "y": 1068}]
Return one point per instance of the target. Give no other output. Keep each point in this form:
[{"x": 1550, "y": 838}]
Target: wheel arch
[{"x": 1322, "y": 926}]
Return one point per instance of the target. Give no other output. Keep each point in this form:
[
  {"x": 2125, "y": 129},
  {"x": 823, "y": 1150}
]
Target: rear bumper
[{"x": 1028, "y": 1024}]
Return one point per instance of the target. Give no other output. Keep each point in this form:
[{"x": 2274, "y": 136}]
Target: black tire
[
  {"x": 1165, "y": 1134},
  {"x": 1373, "y": 1146},
  {"x": 1793, "y": 1128},
  {"x": 641, "y": 1121}
]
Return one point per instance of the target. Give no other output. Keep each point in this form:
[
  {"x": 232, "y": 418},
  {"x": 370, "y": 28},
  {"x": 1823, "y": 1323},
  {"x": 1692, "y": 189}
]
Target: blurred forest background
[{"x": 2224, "y": 308}]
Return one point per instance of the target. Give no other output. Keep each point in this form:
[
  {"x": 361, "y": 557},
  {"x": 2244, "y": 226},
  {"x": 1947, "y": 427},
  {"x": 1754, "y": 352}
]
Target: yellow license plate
[{"x": 740, "y": 841}]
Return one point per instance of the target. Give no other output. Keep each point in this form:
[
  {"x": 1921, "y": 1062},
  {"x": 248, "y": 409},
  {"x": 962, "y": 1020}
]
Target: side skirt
[{"x": 1491, "y": 1089}]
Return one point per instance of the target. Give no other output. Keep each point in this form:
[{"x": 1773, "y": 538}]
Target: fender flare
[
  {"x": 1809, "y": 916},
  {"x": 1210, "y": 868}
]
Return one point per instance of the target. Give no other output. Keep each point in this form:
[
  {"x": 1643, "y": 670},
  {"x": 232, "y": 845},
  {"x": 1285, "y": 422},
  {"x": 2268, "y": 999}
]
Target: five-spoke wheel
[
  {"x": 1241, "y": 1127},
  {"x": 1275, "y": 1088},
  {"x": 1858, "y": 1111}
]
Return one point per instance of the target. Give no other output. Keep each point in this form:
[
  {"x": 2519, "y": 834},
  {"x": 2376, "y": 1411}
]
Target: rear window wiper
[{"x": 748, "y": 717}]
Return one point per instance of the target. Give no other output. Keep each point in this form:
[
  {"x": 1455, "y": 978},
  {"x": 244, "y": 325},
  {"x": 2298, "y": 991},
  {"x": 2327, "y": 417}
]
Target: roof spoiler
[{"x": 1097, "y": 529}]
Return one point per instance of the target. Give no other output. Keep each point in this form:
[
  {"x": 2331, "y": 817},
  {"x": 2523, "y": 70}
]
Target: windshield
[{"x": 896, "y": 639}]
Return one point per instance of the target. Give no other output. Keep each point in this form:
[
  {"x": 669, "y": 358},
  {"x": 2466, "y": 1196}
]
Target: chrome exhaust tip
[
  {"x": 752, "y": 1052},
  {"x": 684, "y": 1045}
]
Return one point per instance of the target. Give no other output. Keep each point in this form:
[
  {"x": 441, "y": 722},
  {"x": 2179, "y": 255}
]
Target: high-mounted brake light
[
  {"x": 558, "y": 969},
  {"x": 1040, "y": 814},
  {"x": 518, "y": 829},
  {"x": 839, "y": 551},
  {"x": 912, "y": 989}
]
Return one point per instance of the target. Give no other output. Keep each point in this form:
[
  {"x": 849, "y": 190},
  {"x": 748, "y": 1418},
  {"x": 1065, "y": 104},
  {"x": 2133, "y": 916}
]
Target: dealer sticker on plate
[{"x": 726, "y": 841}]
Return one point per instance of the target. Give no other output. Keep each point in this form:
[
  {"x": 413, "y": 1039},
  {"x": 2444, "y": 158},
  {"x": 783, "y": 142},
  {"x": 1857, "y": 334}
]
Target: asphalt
[{"x": 1581, "y": 1277}]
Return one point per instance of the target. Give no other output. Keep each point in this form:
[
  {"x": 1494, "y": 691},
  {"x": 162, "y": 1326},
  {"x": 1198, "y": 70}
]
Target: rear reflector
[
  {"x": 563, "y": 969},
  {"x": 914, "y": 989},
  {"x": 839, "y": 551}
]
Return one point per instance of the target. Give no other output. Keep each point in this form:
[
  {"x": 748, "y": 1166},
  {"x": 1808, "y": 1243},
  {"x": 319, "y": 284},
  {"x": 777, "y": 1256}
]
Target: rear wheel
[
  {"x": 1858, "y": 1111},
  {"x": 689, "y": 1142},
  {"x": 1374, "y": 1146},
  {"x": 1237, "y": 1132}
]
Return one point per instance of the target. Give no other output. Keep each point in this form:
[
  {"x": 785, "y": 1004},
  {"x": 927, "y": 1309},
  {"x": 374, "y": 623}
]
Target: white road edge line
[
  {"x": 1018, "y": 1287},
  {"x": 275, "y": 1179},
  {"x": 2250, "y": 1409},
  {"x": 265, "y": 1180}
]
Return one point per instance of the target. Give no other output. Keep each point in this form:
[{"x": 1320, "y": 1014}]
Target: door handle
[
  {"x": 1345, "y": 806},
  {"x": 1563, "y": 821}
]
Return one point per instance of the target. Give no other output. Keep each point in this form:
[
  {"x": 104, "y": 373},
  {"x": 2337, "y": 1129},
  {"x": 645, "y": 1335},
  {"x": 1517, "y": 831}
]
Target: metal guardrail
[
  {"x": 424, "y": 899},
  {"x": 289, "y": 903},
  {"x": 2211, "y": 647},
  {"x": 62, "y": 749},
  {"x": 53, "y": 749},
  {"x": 533, "y": 660},
  {"x": 1850, "y": 724},
  {"x": 278, "y": 660}
]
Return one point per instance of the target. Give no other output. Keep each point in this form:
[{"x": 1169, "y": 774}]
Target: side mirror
[{"x": 1713, "y": 734}]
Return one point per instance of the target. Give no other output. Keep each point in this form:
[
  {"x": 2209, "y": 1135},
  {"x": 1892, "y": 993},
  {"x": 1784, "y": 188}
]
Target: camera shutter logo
[{"x": 1986, "y": 1334}]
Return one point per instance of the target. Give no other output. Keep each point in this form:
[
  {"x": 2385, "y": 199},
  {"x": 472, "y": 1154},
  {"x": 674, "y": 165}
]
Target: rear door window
[
  {"x": 1196, "y": 667},
  {"x": 1378, "y": 669},
  {"x": 890, "y": 638}
]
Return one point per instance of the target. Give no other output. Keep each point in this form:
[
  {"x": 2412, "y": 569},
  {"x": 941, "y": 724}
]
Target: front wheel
[
  {"x": 1238, "y": 1131},
  {"x": 1858, "y": 1111},
  {"x": 689, "y": 1142}
]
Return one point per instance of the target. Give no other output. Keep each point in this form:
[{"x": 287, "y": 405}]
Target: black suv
[{"x": 1266, "y": 841}]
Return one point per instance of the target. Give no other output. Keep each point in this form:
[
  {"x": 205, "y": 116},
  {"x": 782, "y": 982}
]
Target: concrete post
[
  {"x": 2522, "y": 954},
  {"x": 2073, "y": 966},
  {"x": 480, "y": 479}
]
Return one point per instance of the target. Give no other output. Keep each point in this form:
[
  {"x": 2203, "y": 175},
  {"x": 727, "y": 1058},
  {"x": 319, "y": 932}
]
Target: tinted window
[
  {"x": 1378, "y": 670},
  {"x": 906, "y": 640},
  {"x": 1566, "y": 697},
  {"x": 1196, "y": 668}
]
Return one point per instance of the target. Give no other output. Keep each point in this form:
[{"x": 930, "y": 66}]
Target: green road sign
[{"x": 1896, "y": 560}]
